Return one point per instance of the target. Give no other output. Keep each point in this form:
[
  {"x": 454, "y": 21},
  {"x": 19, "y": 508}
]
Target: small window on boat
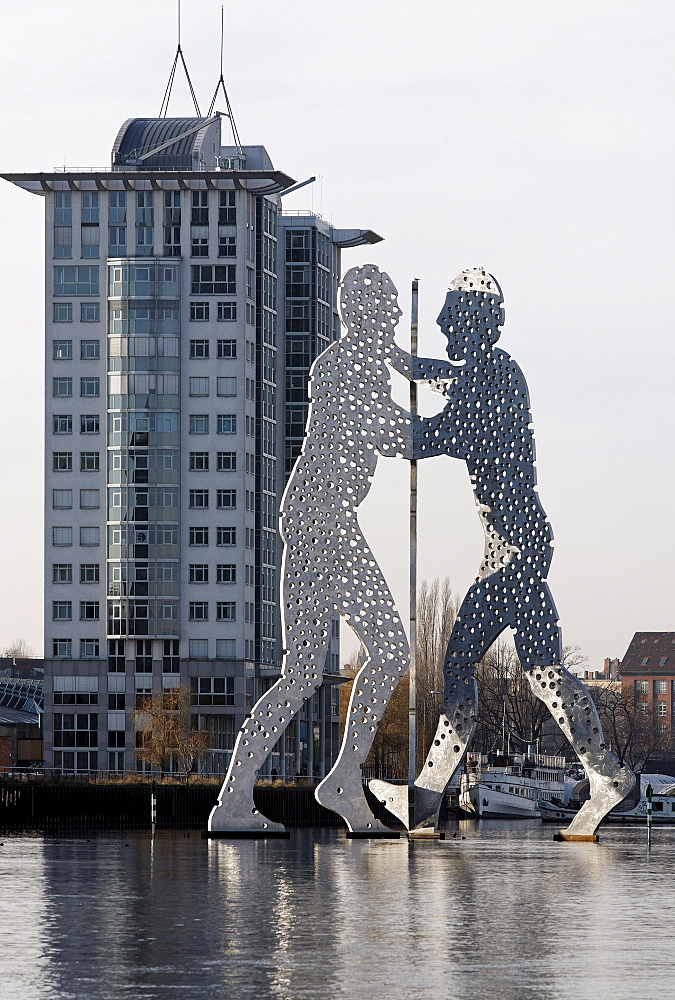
[{"x": 658, "y": 807}]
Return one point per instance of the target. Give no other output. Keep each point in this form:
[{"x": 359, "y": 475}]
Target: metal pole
[
  {"x": 412, "y": 696},
  {"x": 649, "y": 792},
  {"x": 153, "y": 806}
]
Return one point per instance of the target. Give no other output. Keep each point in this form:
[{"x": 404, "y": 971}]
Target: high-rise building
[{"x": 183, "y": 310}]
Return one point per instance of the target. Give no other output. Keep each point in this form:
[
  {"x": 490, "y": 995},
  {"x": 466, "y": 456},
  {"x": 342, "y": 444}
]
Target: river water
[{"x": 504, "y": 913}]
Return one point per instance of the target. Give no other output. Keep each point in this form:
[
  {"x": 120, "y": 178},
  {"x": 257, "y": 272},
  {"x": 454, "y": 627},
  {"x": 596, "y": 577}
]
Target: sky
[{"x": 531, "y": 138}]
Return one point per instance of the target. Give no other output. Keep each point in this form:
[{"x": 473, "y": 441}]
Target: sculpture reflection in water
[
  {"x": 327, "y": 563},
  {"x": 487, "y": 423}
]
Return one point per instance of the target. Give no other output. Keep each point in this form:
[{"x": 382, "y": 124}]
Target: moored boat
[
  {"x": 628, "y": 811},
  {"x": 509, "y": 786}
]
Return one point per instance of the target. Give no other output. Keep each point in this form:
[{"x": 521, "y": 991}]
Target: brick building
[{"x": 648, "y": 671}]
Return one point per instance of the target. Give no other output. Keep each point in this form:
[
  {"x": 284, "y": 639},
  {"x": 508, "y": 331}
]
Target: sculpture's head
[
  {"x": 369, "y": 301},
  {"x": 472, "y": 315}
]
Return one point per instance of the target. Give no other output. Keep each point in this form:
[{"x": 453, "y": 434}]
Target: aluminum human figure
[
  {"x": 327, "y": 563},
  {"x": 487, "y": 423}
]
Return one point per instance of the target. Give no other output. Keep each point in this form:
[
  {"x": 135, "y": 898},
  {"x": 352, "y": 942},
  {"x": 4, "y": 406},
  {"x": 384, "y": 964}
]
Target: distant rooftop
[{"x": 650, "y": 653}]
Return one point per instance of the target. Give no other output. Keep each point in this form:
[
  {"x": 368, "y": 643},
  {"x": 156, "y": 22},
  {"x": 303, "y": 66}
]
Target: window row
[
  {"x": 225, "y": 386},
  {"x": 90, "y": 312},
  {"x": 90, "y": 241},
  {"x": 226, "y": 611},
  {"x": 224, "y": 536},
  {"x": 200, "y": 312},
  {"x": 225, "y": 650},
  {"x": 63, "y": 573},
  {"x": 63, "y": 499},
  {"x": 63, "y": 648},
  {"x": 226, "y": 461},
  {"x": 200, "y": 350},
  {"x": 64, "y": 536},
  {"x": 89, "y": 423},
  {"x": 62, "y": 611},
  {"x": 62, "y": 461},
  {"x": 63, "y": 386},
  {"x": 225, "y": 573},
  {"x": 225, "y": 499}
]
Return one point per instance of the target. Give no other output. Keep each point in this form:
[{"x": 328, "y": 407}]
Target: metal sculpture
[
  {"x": 328, "y": 564},
  {"x": 486, "y": 423}
]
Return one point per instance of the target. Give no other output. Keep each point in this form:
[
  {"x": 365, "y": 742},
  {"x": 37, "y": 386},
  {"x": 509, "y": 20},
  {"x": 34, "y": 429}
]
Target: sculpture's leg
[
  {"x": 574, "y": 711},
  {"x": 303, "y": 671},
  {"x": 476, "y": 628},
  {"x": 365, "y": 601}
]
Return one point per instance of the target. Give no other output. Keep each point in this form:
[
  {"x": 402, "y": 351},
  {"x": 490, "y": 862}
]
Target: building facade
[
  {"x": 183, "y": 310},
  {"x": 648, "y": 674}
]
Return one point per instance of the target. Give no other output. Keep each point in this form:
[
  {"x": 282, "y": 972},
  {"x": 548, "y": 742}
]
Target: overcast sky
[{"x": 532, "y": 137}]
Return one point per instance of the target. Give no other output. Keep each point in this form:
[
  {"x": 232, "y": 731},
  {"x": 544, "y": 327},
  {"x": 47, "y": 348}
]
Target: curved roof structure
[{"x": 178, "y": 143}]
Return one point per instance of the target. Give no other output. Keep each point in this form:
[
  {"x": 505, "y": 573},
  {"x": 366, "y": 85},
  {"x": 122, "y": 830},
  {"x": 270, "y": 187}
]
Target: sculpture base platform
[
  {"x": 372, "y": 835},
  {"x": 245, "y": 834},
  {"x": 591, "y": 838},
  {"x": 426, "y": 834}
]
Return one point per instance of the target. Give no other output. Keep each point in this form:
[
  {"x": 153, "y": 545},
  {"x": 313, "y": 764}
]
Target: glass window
[
  {"x": 227, "y": 245},
  {"x": 63, "y": 207},
  {"x": 62, "y": 611},
  {"x": 90, "y": 350},
  {"x": 227, "y": 423},
  {"x": 76, "y": 280},
  {"x": 89, "y": 647},
  {"x": 62, "y": 461},
  {"x": 63, "y": 350},
  {"x": 89, "y": 536},
  {"x": 227, "y": 312},
  {"x": 226, "y": 650},
  {"x": 89, "y": 423},
  {"x": 199, "y": 611},
  {"x": 227, "y": 213},
  {"x": 63, "y": 423},
  {"x": 199, "y": 648},
  {"x": 210, "y": 279},
  {"x": 226, "y": 499},
  {"x": 199, "y": 349},
  {"x": 62, "y": 648},
  {"x": 63, "y": 312},
  {"x": 63, "y": 241},
  {"x": 62, "y": 499},
  {"x": 62, "y": 536},
  {"x": 227, "y": 385},
  {"x": 117, "y": 241},
  {"x": 199, "y": 499},
  {"x": 226, "y": 611},
  {"x": 199, "y": 573},
  {"x": 89, "y": 386},
  {"x": 89, "y": 461},
  {"x": 227, "y": 349},
  {"x": 227, "y": 461},
  {"x": 199, "y": 312},
  {"x": 90, "y": 206},
  {"x": 89, "y": 573},
  {"x": 199, "y": 386},
  {"x": 90, "y": 499},
  {"x": 199, "y": 423},
  {"x": 90, "y": 238},
  {"x": 62, "y": 573},
  {"x": 62, "y": 387},
  {"x": 199, "y": 536},
  {"x": 90, "y": 312},
  {"x": 226, "y": 573},
  {"x": 199, "y": 461},
  {"x": 226, "y": 536}
]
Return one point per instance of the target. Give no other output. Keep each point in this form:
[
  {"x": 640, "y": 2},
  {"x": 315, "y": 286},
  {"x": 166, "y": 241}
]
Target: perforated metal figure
[
  {"x": 487, "y": 424},
  {"x": 327, "y": 562}
]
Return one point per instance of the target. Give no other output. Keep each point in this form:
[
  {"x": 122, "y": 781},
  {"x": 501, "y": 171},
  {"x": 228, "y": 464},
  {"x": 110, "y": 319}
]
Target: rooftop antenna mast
[
  {"x": 221, "y": 83},
  {"x": 167, "y": 93}
]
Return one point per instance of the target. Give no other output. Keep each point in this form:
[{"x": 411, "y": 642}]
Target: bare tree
[
  {"x": 632, "y": 733},
  {"x": 18, "y": 648},
  {"x": 165, "y": 732},
  {"x": 437, "y": 608}
]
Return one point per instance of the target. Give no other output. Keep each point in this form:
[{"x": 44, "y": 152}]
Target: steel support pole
[{"x": 412, "y": 695}]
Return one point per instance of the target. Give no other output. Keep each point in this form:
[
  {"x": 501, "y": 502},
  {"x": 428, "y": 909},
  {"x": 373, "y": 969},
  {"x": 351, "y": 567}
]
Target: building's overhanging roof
[{"x": 255, "y": 181}]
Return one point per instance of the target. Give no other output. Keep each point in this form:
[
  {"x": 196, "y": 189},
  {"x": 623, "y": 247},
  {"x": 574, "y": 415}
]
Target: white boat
[
  {"x": 628, "y": 811},
  {"x": 501, "y": 786}
]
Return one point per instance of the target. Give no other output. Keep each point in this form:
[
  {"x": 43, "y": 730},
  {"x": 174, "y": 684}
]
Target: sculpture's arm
[
  {"x": 394, "y": 437},
  {"x": 420, "y": 369}
]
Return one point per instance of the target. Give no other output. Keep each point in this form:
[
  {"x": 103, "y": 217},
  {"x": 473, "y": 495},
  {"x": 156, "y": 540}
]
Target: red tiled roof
[{"x": 650, "y": 653}]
